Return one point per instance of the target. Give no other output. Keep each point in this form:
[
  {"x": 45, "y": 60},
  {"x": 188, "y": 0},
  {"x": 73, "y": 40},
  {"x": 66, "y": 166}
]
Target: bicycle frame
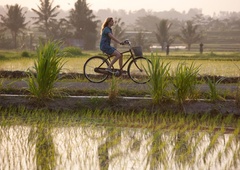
[{"x": 132, "y": 57}]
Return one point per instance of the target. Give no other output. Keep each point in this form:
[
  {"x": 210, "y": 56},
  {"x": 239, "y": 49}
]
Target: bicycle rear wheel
[
  {"x": 90, "y": 66},
  {"x": 138, "y": 70}
]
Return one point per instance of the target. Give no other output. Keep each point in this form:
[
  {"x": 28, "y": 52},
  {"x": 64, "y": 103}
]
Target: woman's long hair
[{"x": 105, "y": 24}]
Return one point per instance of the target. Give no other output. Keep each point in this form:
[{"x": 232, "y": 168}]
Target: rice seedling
[
  {"x": 212, "y": 84},
  {"x": 159, "y": 72},
  {"x": 47, "y": 68},
  {"x": 184, "y": 81}
]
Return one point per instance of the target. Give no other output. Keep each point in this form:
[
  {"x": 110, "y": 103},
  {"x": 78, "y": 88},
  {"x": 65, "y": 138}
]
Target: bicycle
[{"x": 95, "y": 67}]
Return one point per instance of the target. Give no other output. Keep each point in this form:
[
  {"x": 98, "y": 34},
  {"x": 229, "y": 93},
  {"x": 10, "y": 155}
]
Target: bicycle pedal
[{"x": 117, "y": 73}]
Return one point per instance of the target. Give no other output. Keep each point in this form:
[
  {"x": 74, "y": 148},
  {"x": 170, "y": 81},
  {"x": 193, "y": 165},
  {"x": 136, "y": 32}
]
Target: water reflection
[
  {"x": 97, "y": 147},
  {"x": 41, "y": 138}
]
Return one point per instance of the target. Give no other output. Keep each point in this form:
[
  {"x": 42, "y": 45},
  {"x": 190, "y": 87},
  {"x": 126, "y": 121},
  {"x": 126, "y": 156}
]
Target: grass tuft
[
  {"x": 184, "y": 81},
  {"x": 45, "y": 70},
  {"x": 160, "y": 73}
]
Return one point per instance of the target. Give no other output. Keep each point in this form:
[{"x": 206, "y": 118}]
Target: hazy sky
[{"x": 207, "y": 6}]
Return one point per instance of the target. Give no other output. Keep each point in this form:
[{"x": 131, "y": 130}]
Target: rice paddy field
[
  {"x": 220, "y": 64},
  {"x": 107, "y": 140},
  {"x": 103, "y": 139}
]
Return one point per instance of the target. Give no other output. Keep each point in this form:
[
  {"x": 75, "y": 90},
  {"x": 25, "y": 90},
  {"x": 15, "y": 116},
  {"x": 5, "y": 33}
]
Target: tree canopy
[
  {"x": 14, "y": 21},
  {"x": 162, "y": 33},
  {"x": 189, "y": 34},
  {"x": 84, "y": 23},
  {"x": 46, "y": 17}
]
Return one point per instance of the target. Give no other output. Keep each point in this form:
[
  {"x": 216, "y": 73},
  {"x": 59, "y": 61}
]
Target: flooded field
[{"x": 169, "y": 143}]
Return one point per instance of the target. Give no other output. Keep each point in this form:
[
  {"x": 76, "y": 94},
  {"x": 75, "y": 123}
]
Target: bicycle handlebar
[{"x": 126, "y": 42}]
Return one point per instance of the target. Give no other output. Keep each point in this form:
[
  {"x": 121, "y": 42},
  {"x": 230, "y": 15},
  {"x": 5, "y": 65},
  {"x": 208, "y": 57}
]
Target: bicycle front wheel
[
  {"x": 138, "y": 70},
  {"x": 90, "y": 66}
]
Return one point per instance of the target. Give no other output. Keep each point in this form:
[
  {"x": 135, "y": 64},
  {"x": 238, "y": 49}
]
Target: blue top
[{"x": 106, "y": 41}]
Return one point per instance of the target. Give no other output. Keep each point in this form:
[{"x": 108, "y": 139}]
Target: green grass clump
[
  {"x": 213, "y": 94},
  {"x": 25, "y": 54},
  {"x": 184, "y": 81},
  {"x": 72, "y": 51},
  {"x": 159, "y": 73},
  {"x": 2, "y": 57},
  {"x": 47, "y": 68}
]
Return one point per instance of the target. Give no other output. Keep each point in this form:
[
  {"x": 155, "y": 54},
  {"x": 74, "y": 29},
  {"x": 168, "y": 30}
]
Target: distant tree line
[{"x": 81, "y": 26}]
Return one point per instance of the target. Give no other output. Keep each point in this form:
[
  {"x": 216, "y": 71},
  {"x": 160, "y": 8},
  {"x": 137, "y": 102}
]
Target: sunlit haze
[{"x": 208, "y": 6}]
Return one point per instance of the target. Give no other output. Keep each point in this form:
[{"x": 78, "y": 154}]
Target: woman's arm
[{"x": 113, "y": 38}]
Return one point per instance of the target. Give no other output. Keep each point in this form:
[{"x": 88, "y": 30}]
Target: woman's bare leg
[{"x": 118, "y": 56}]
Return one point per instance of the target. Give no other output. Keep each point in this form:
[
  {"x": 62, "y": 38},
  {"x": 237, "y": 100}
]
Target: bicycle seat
[{"x": 107, "y": 54}]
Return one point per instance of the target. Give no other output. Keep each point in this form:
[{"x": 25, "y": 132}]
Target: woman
[{"x": 105, "y": 42}]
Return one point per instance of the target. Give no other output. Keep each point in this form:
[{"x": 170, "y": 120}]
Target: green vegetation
[
  {"x": 160, "y": 74},
  {"x": 163, "y": 139},
  {"x": 184, "y": 81},
  {"x": 214, "y": 94},
  {"x": 47, "y": 69},
  {"x": 221, "y": 63},
  {"x": 73, "y": 51},
  {"x": 103, "y": 139},
  {"x": 25, "y": 54}
]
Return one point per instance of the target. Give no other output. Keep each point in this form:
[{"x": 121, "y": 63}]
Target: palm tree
[
  {"x": 147, "y": 23},
  {"x": 82, "y": 19},
  {"x": 189, "y": 34},
  {"x": 46, "y": 16},
  {"x": 162, "y": 33},
  {"x": 118, "y": 30},
  {"x": 60, "y": 30},
  {"x": 14, "y": 21},
  {"x": 140, "y": 39}
]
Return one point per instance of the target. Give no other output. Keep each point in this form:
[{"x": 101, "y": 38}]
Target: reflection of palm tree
[
  {"x": 113, "y": 139},
  {"x": 184, "y": 149},
  {"x": 157, "y": 153},
  {"x": 45, "y": 150},
  {"x": 103, "y": 156}
]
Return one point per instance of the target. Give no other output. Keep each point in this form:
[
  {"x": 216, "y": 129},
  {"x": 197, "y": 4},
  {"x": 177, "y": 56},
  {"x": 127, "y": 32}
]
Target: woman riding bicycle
[{"x": 105, "y": 43}]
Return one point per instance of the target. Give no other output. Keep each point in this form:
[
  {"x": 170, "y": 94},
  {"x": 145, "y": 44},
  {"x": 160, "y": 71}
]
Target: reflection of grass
[{"x": 164, "y": 140}]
